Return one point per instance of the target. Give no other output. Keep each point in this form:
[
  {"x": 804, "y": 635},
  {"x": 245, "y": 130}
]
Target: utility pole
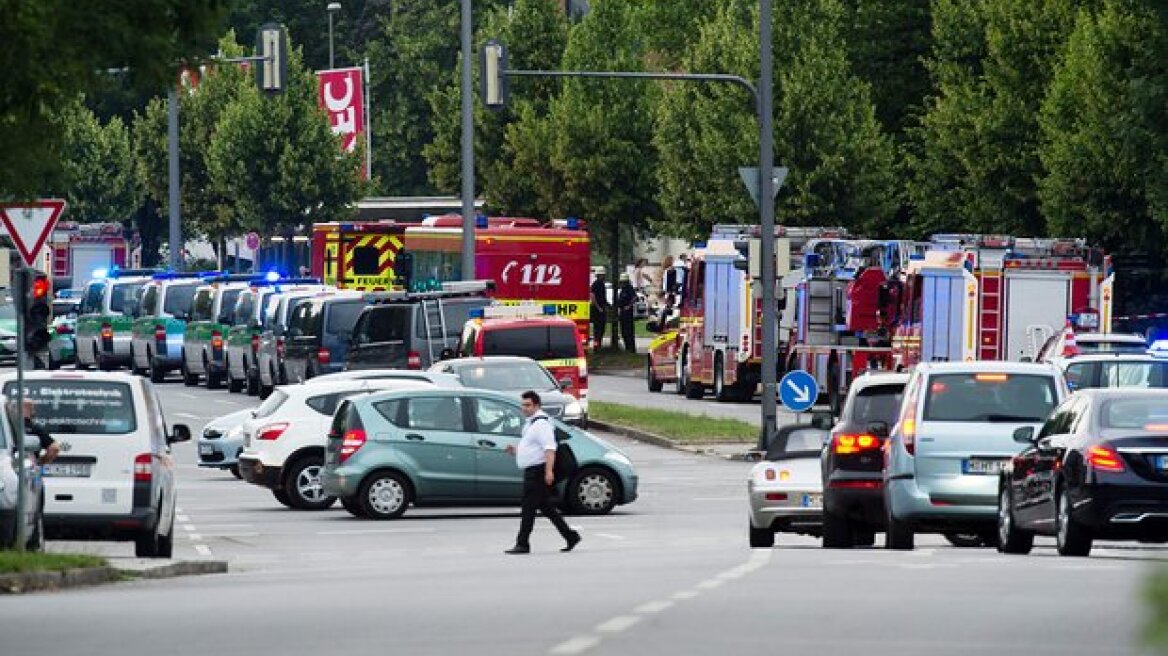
[
  {"x": 766, "y": 197},
  {"x": 468, "y": 180}
]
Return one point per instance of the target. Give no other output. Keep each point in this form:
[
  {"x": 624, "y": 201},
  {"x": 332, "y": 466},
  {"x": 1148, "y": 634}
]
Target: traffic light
[
  {"x": 493, "y": 75},
  {"x": 37, "y": 309}
]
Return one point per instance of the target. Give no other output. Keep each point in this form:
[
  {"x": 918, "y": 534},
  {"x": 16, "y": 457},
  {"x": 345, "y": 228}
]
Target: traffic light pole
[{"x": 23, "y": 276}]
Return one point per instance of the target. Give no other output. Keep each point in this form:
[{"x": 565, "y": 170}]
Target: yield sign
[{"x": 29, "y": 225}]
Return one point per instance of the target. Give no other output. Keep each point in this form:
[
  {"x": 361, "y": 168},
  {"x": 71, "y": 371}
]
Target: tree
[
  {"x": 100, "y": 178},
  {"x": 53, "y": 50}
]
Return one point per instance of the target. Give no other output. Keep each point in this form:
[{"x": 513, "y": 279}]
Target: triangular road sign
[
  {"x": 30, "y": 225},
  {"x": 749, "y": 175}
]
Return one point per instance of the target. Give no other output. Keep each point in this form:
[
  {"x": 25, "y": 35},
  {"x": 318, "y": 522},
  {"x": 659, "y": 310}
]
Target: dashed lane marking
[
  {"x": 618, "y": 624},
  {"x": 577, "y": 645}
]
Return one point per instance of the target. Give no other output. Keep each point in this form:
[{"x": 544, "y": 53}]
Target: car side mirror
[
  {"x": 446, "y": 354},
  {"x": 822, "y": 420},
  {"x": 565, "y": 383},
  {"x": 1024, "y": 435},
  {"x": 878, "y": 429},
  {"x": 179, "y": 433}
]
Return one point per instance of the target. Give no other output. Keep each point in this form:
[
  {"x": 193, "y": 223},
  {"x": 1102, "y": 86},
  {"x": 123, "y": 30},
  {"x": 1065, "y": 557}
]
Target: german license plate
[
  {"x": 812, "y": 500},
  {"x": 67, "y": 469},
  {"x": 1162, "y": 463},
  {"x": 206, "y": 449},
  {"x": 982, "y": 466}
]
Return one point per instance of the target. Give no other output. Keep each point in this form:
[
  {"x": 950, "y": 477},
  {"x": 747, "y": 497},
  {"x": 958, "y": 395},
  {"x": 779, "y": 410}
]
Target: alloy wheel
[{"x": 386, "y": 496}]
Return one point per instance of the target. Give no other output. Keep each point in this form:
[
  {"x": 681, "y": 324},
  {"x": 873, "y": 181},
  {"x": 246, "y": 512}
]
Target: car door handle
[
  {"x": 415, "y": 437},
  {"x": 487, "y": 443}
]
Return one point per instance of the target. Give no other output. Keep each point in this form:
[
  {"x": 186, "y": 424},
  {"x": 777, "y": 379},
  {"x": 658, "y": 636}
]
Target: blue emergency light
[
  {"x": 573, "y": 223},
  {"x": 549, "y": 310},
  {"x": 272, "y": 276},
  {"x": 1159, "y": 349},
  {"x": 476, "y": 313},
  {"x": 481, "y": 221},
  {"x": 100, "y": 274}
]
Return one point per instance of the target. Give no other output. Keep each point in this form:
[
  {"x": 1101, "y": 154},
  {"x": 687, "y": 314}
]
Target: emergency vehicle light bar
[
  {"x": 520, "y": 311},
  {"x": 177, "y": 275},
  {"x": 115, "y": 272}
]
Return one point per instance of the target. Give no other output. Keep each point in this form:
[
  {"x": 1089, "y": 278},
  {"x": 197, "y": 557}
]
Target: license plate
[
  {"x": 206, "y": 449},
  {"x": 812, "y": 500},
  {"x": 68, "y": 469},
  {"x": 982, "y": 466},
  {"x": 1162, "y": 463}
]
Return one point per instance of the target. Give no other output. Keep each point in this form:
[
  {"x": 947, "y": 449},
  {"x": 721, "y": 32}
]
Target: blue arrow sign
[{"x": 798, "y": 390}]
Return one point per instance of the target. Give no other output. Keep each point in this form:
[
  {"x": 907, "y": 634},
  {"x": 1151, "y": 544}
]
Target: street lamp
[{"x": 333, "y": 7}]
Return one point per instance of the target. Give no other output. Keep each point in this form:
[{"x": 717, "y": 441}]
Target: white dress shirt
[{"x": 539, "y": 436}]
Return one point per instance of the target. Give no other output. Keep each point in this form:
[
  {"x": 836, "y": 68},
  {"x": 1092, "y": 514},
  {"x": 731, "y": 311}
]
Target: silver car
[
  {"x": 785, "y": 490},
  {"x": 34, "y": 501},
  {"x": 513, "y": 374},
  {"x": 222, "y": 440}
]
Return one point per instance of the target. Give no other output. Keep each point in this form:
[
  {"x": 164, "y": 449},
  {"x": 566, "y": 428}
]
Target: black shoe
[
  {"x": 573, "y": 540},
  {"x": 518, "y": 550}
]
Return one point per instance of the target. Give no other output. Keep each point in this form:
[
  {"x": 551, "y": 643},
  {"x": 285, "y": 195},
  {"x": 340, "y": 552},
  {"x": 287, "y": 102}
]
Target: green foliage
[
  {"x": 53, "y": 50},
  {"x": 100, "y": 179},
  {"x": 1104, "y": 122},
  {"x": 1156, "y": 597}
]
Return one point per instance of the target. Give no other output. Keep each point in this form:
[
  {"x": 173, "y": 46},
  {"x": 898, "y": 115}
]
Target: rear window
[
  {"x": 989, "y": 397},
  {"x": 326, "y": 404},
  {"x": 389, "y": 323},
  {"x": 1133, "y": 374},
  {"x": 535, "y": 342},
  {"x": 202, "y": 305},
  {"x": 505, "y": 376},
  {"x": 342, "y": 316},
  {"x": 1139, "y": 414},
  {"x": 1112, "y": 347},
  {"x": 122, "y": 295},
  {"x": 227, "y": 305},
  {"x": 178, "y": 299},
  {"x": 877, "y": 403},
  {"x": 65, "y": 407},
  {"x": 798, "y": 443},
  {"x": 91, "y": 302}
]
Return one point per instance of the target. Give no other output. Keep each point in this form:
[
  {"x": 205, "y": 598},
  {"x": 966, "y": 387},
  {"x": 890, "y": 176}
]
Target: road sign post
[{"x": 23, "y": 282}]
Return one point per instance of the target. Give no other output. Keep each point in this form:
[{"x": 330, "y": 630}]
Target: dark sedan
[
  {"x": 1097, "y": 469},
  {"x": 853, "y": 463}
]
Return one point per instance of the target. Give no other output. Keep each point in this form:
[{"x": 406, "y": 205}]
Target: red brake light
[
  {"x": 414, "y": 360},
  {"x": 353, "y": 440},
  {"x": 159, "y": 333},
  {"x": 271, "y": 431},
  {"x": 216, "y": 340},
  {"x": 1104, "y": 459},
  {"x": 857, "y": 485},
  {"x": 62, "y": 329},
  {"x": 323, "y": 356},
  {"x": 848, "y": 443},
  {"x": 280, "y": 347},
  {"x": 142, "y": 467},
  {"x": 107, "y": 331},
  {"x": 776, "y": 496},
  {"x": 255, "y": 343}
]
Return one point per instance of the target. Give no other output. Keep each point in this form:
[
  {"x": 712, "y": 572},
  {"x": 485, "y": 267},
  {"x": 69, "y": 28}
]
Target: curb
[
  {"x": 665, "y": 442},
  {"x": 623, "y": 373},
  {"x": 22, "y": 582}
]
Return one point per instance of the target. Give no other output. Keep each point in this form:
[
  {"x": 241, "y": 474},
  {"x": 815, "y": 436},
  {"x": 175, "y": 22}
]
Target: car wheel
[
  {"x": 234, "y": 385},
  {"x": 965, "y": 540},
  {"x": 253, "y": 383},
  {"x": 213, "y": 380},
  {"x": 53, "y": 364},
  {"x": 721, "y": 392},
  {"x": 103, "y": 363},
  {"x": 189, "y": 379},
  {"x": 166, "y": 542},
  {"x": 134, "y": 368},
  {"x": 1072, "y": 539},
  {"x": 1011, "y": 539},
  {"x": 157, "y": 375},
  {"x": 282, "y": 497},
  {"x": 692, "y": 390},
  {"x": 899, "y": 534},
  {"x": 303, "y": 485},
  {"x": 384, "y": 495},
  {"x": 761, "y": 538},
  {"x": 147, "y": 544},
  {"x": 837, "y": 531},
  {"x": 353, "y": 505},
  {"x": 864, "y": 537},
  {"x": 593, "y": 492},
  {"x": 235, "y": 471},
  {"x": 655, "y": 385}
]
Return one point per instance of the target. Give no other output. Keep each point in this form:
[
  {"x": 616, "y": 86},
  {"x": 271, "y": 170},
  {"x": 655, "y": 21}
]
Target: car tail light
[
  {"x": 217, "y": 340},
  {"x": 857, "y": 485},
  {"x": 107, "y": 331},
  {"x": 776, "y": 496},
  {"x": 143, "y": 471},
  {"x": 770, "y": 475},
  {"x": 1104, "y": 459},
  {"x": 352, "y": 441},
  {"x": 271, "y": 431},
  {"x": 847, "y": 443},
  {"x": 280, "y": 347},
  {"x": 62, "y": 329},
  {"x": 159, "y": 333},
  {"x": 323, "y": 356},
  {"x": 255, "y": 343},
  {"x": 414, "y": 360},
  {"x": 908, "y": 430}
]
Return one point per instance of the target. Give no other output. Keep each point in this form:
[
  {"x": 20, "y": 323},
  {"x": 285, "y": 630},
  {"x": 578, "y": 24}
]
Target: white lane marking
[
  {"x": 373, "y": 531},
  {"x": 195, "y": 537},
  {"x": 653, "y": 607},
  {"x": 186, "y": 415},
  {"x": 186, "y": 395},
  {"x": 618, "y": 624},
  {"x": 226, "y": 401},
  {"x": 577, "y": 645},
  {"x": 189, "y": 528},
  {"x": 181, "y": 518},
  {"x": 684, "y": 594},
  {"x": 203, "y": 550},
  {"x": 610, "y": 536},
  {"x": 710, "y": 584}
]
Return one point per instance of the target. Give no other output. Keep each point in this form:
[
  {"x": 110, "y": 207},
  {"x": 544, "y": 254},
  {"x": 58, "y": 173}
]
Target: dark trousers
[
  {"x": 626, "y": 329},
  {"x": 537, "y": 495},
  {"x": 598, "y": 318}
]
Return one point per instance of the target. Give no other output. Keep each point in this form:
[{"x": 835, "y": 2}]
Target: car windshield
[
  {"x": 989, "y": 397},
  {"x": 800, "y": 442},
  {"x": 506, "y": 376},
  {"x": 343, "y": 316},
  {"x": 123, "y": 294},
  {"x": 535, "y": 342},
  {"x": 1140, "y": 414},
  {"x": 79, "y": 406},
  {"x": 178, "y": 298},
  {"x": 1111, "y": 347},
  {"x": 877, "y": 403}
]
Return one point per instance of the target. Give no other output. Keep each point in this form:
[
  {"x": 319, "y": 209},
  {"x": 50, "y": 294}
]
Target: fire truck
[
  {"x": 76, "y": 250},
  {"x": 529, "y": 261},
  {"x": 994, "y": 297},
  {"x": 719, "y": 341}
]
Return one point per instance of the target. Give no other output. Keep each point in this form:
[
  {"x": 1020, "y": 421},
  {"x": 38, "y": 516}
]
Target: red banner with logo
[{"x": 342, "y": 95}]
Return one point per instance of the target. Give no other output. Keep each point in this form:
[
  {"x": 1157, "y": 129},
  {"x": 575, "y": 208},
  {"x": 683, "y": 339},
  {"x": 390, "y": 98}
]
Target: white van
[{"x": 114, "y": 478}]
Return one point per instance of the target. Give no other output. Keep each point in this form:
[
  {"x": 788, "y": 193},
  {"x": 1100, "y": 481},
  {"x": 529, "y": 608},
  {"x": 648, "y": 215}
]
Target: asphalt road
[{"x": 668, "y": 574}]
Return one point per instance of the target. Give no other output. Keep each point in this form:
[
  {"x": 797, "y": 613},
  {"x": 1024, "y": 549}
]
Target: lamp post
[{"x": 333, "y": 7}]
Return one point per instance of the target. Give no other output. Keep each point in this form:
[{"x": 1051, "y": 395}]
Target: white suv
[
  {"x": 284, "y": 442},
  {"x": 114, "y": 478}
]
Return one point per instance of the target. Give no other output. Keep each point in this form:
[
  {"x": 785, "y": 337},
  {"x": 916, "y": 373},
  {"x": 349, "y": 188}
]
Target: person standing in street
[
  {"x": 536, "y": 456},
  {"x": 598, "y": 310},
  {"x": 626, "y": 298}
]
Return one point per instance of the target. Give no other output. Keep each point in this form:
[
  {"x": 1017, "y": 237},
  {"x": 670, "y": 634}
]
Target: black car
[
  {"x": 1097, "y": 469},
  {"x": 853, "y": 461},
  {"x": 320, "y": 331},
  {"x": 412, "y": 332}
]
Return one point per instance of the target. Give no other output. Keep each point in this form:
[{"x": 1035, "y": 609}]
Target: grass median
[
  {"x": 13, "y": 562},
  {"x": 680, "y": 426},
  {"x": 613, "y": 359}
]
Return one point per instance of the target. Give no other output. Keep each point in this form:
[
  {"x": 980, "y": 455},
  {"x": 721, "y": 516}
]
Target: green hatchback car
[
  {"x": 105, "y": 322},
  {"x": 447, "y": 446},
  {"x": 204, "y": 352}
]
